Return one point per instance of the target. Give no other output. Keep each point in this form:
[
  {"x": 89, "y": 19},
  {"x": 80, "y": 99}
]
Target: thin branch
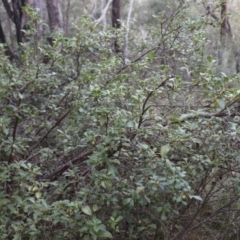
[
  {"x": 179, "y": 237},
  {"x": 103, "y": 13},
  {"x": 144, "y": 109},
  {"x": 202, "y": 115},
  {"x": 229, "y": 105},
  {"x": 47, "y": 133},
  {"x": 137, "y": 59},
  {"x": 104, "y": 19},
  {"x": 210, "y": 12},
  {"x": 83, "y": 156},
  {"x": 127, "y": 29},
  {"x": 80, "y": 158},
  {"x": 95, "y": 8}
]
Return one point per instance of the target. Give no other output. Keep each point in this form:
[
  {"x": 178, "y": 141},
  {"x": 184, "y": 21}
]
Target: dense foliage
[{"x": 93, "y": 145}]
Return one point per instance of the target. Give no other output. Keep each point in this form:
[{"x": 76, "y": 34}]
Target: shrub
[{"x": 94, "y": 147}]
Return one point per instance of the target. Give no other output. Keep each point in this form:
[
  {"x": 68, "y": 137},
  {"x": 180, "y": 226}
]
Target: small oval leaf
[
  {"x": 196, "y": 197},
  {"x": 105, "y": 234},
  {"x": 164, "y": 150},
  {"x": 87, "y": 210},
  {"x": 221, "y": 103},
  {"x": 38, "y": 194},
  {"x": 139, "y": 189},
  {"x": 95, "y": 207}
]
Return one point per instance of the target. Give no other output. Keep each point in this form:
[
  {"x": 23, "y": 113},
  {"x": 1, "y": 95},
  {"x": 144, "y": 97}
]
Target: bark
[
  {"x": 225, "y": 26},
  {"x": 237, "y": 58},
  {"x": 102, "y": 12},
  {"x": 2, "y": 35},
  {"x": 116, "y": 13},
  {"x": 8, "y": 51},
  {"x": 8, "y": 9},
  {"x": 66, "y": 20},
  {"x": 14, "y": 12},
  {"x": 127, "y": 28},
  {"x": 54, "y": 15},
  {"x": 227, "y": 43},
  {"x": 226, "y": 36},
  {"x": 225, "y": 33},
  {"x": 17, "y": 18},
  {"x": 116, "y": 7}
]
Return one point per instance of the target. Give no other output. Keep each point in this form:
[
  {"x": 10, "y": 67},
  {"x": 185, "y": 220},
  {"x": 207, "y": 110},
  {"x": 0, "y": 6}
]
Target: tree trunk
[
  {"x": 17, "y": 18},
  {"x": 8, "y": 51},
  {"x": 116, "y": 13},
  {"x": 225, "y": 31},
  {"x": 20, "y": 19},
  {"x": 116, "y": 6},
  {"x": 225, "y": 36},
  {"x": 14, "y": 12},
  {"x": 54, "y": 15}
]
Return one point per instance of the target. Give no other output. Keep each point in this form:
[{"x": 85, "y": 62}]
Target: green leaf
[
  {"x": 221, "y": 103},
  {"x": 127, "y": 201},
  {"x": 168, "y": 163},
  {"x": 130, "y": 124},
  {"x": 119, "y": 218},
  {"x": 144, "y": 146},
  {"x": 84, "y": 229},
  {"x": 95, "y": 207},
  {"x": 104, "y": 234},
  {"x": 103, "y": 184},
  {"x": 163, "y": 217},
  {"x": 20, "y": 95},
  {"x": 209, "y": 59},
  {"x": 153, "y": 226},
  {"x": 196, "y": 197},
  {"x": 102, "y": 120},
  {"x": 151, "y": 55},
  {"x": 164, "y": 150},
  {"x": 87, "y": 210},
  {"x": 139, "y": 189},
  {"x": 185, "y": 116},
  {"x": 38, "y": 194}
]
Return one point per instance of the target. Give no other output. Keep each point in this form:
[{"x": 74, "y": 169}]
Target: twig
[
  {"x": 144, "y": 109},
  {"x": 47, "y": 133},
  {"x": 81, "y": 157},
  {"x": 207, "y": 219},
  {"x": 103, "y": 13},
  {"x": 127, "y": 29}
]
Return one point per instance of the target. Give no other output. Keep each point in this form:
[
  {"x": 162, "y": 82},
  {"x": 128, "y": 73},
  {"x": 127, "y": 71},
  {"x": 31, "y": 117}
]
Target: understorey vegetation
[{"x": 99, "y": 140}]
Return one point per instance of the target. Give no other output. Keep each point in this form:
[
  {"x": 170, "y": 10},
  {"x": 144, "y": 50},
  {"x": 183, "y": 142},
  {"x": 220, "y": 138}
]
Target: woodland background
[{"x": 119, "y": 119}]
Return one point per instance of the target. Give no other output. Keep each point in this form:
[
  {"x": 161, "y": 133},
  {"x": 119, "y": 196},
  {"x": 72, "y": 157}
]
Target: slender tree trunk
[
  {"x": 225, "y": 34},
  {"x": 103, "y": 2},
  {"x": 127, "y": 28},
  {"x": 116, "y": 13},
  {"x": 55, "y": 15},
  {"x": 17, "y": 18},
  {"x": 8, "y": 9},
  {"x": 66, "y": 19},
  {"x": 14, "y": 12},
  {"x": 225, "y": 31},
  {"x": 8, "y": 51},
  {"x": 116, "y": 7},
  {"x": 227, "y": 43}
]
